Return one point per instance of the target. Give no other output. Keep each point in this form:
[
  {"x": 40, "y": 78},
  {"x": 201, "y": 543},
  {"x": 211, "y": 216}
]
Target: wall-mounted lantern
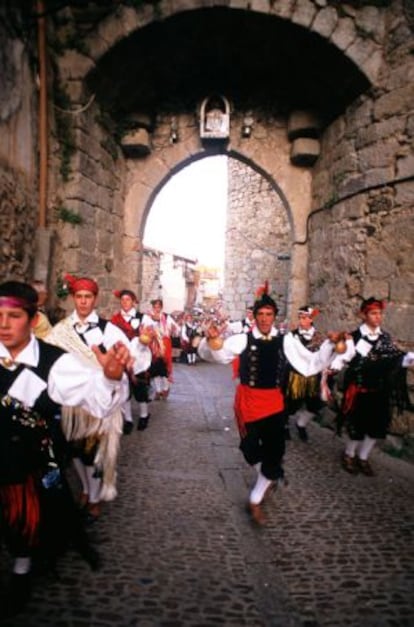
[{"x": 215, "y": 118}]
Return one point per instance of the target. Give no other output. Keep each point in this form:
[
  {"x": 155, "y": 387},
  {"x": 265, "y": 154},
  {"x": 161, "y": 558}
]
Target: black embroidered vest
[
  {"x": 372, "y": 370},
  {"x": 263, "y": 363},
  {"x": 24, "y": 432}
]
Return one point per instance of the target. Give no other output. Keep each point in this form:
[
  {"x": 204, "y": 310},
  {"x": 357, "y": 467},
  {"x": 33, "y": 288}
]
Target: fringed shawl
[{"x": 78, "y": 423}]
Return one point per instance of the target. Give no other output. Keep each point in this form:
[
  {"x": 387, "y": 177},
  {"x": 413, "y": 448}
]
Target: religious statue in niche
[{"x": 215, "y": 118}]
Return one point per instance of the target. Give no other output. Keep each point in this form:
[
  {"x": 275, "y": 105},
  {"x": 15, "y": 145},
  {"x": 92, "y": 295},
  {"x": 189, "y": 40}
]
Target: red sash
[{"x": 251, "y": 404}]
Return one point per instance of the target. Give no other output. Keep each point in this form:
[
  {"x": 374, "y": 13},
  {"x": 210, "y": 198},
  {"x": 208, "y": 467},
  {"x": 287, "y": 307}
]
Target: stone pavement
[{"x": 179, "y": 550}]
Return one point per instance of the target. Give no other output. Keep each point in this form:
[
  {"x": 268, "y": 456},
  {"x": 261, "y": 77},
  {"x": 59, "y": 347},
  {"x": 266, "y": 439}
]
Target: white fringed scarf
[{"x": 78, "y": 423}]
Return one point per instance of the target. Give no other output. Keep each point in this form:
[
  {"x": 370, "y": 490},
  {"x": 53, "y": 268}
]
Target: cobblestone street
[{"x": 179, "y": 549}]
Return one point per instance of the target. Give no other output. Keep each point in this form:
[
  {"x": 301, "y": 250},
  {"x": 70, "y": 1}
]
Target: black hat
[
  {"x": 263, "y": 299},
  {"x": 308, "y": 310}
]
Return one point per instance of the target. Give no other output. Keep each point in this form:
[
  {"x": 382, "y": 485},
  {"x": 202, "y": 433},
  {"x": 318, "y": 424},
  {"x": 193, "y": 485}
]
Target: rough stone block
[
  {"x": 354, "y": 184},
  {"x": 375, "y": 287},
  {"x": 261, "y": 6},
  {"x": 74, "y": 65},
  {"x": 305, "y": 151},
  {"x": 404, "y": 194},
  {"x": 399, "y": 321},
  {"x": 402, "y": 290},
  {"x": 370, "y": 21},
  {"x": 380, "y": 266},
  {"x": 405, "y": 166},
  {"x": 397, "y": 102},
  {"x": 361, "y": 50},
  {"x": 325, "y": 22},
  {"x": 379, "y": 176},
  {"x": 304, "y": 13},
  {"x": 344, "y": 33},
  {"x": 379, "y": 155},
  {"x": 355, "y": 207},
  {"x": 282, "y": 8},
  {"x": 372, "y": 65}
]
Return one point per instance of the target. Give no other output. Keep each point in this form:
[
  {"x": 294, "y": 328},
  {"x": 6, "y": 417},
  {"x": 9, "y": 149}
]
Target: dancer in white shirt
[
  {"x": 35, "y": 380},
  {"x": 95, "y": 443}
]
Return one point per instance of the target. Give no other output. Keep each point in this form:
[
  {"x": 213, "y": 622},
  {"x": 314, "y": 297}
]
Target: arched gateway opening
[{"x": 229, "y": 220}]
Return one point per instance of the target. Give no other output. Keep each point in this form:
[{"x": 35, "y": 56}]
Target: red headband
[
  {"x": 121, "y": 293},
  {"x": 376, "y": 304},
  {"x": 15, "y": 301},
  {"x": 75, "y": 285}
]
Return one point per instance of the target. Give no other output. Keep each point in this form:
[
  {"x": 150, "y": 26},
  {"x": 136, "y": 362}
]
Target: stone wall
[
  {"x": 18, "y": 129},
  {"x": 85, "y": 210},
  {"x": 362, "y": 230},
  {"x": 151, "y": 266},
  {"x": 17, "y": 226},
  {"x": 258, "y": 240}
]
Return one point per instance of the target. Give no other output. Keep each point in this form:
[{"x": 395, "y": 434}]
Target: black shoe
[
  {"x": 128, "y": 427},
  {"x": 143, "y": 423},
  {"x": 365, "y": 467},
  {"x": 349, "y": 464},
  {"x": 302, "y": 433},
  {"x": 17, "y": 596}
]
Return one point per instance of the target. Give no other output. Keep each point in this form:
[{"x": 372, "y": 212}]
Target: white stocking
[
  {"x": 95, "y": 485},
  {"x": 81, "y": 472},
  {"x": 22, "y": 565},
  {"x": 351, "y": 447},
  {"x": 165, "y": 385},
  {"x": 157, "y": 384},
  {"x": 127, "y": 411},
  {"x": 258, "y": 492},
  {"x": 303, "y": 416},
  {"x": 366, "y": 447},
  {"x": 143, "y": 410}
]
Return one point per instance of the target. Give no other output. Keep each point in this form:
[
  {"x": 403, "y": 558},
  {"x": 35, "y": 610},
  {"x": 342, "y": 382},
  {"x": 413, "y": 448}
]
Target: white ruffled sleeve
[
  {"x": 75, "y": 382},
  {"x": 303, "y": 360},
  {"x": 232, "y": 346},
  {"x": 141, "y": 354}
]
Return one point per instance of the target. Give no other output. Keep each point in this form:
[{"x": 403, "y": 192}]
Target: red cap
[{"x": 83, "y": 283}]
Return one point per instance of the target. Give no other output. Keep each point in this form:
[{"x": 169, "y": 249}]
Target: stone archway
[
  {"x": 203, "y": 48},
  {"x": 267, "y": 153},
  {"x": 258, "y": 233},
  {"x": 326, "y": 57}
]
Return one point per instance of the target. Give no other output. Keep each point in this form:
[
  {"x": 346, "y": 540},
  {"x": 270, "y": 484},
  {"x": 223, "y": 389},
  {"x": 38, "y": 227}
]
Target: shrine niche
[{"x": 215, "y": 118}]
